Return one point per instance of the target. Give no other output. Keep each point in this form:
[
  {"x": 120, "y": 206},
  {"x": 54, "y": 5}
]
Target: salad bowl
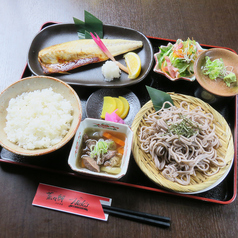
[{"x": 175, "y": 61}]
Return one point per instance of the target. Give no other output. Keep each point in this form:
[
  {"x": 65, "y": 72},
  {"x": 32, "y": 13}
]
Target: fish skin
[{"x": 70, "y": 55}]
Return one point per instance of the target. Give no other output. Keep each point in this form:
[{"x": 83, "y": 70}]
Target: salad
[
  {"x": 177, "y": 60},
  {"x": 216, "y": 69}
]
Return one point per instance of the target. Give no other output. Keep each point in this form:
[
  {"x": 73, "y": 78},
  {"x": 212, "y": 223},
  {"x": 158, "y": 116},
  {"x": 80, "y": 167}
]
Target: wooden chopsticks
[{"x": 147, "y": 218}]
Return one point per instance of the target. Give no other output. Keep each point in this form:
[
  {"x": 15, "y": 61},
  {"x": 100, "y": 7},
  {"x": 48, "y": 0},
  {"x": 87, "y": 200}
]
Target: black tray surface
[{"x": 58, "y": 160}]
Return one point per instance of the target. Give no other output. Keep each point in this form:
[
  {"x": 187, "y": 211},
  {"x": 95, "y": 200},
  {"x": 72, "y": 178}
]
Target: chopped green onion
[
  {"x": 100, "y": 148},
  {"x": 216, "y": 69}
]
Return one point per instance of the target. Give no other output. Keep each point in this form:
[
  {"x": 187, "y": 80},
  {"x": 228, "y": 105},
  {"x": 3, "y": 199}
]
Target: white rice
[
  {"x": 38, "y": 119},
  {"x": 110, "y": 70}
]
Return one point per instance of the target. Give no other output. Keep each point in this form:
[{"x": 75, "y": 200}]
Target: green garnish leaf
[
  {"x": 91, "y": 24},
  {"x": 80, "y": 28},
  {"x": 158, "y": 98},
  {"x": 87, "y": 35}
]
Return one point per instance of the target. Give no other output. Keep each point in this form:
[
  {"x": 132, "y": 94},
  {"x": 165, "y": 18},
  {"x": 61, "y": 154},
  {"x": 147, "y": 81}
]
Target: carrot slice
[
  {"x": 82, "y": 164},
  {"x": 117, "y": 140},
  {"x": 162, "y": 67},
  {"x": 120, "y": 150}
]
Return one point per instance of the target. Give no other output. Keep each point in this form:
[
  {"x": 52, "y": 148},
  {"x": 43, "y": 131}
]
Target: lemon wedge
[
  {"x": 109, "y": 106},
  {"x": 133, "y": 64},
  {"x": 120, "y": 106},
  {"x": 126, "y": 107}
]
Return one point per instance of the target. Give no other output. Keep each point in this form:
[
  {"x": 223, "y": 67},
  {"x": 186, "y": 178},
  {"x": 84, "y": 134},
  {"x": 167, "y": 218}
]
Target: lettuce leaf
[
  {"x": 181, "y": 65},
  {"x": 164, "y": 51}
]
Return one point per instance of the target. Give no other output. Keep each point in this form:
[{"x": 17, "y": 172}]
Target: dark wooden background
[{"x": 208, "y": 22}]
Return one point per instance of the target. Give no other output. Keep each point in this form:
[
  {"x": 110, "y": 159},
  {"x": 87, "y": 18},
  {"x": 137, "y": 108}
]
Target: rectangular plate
[
  {"x": 57, "y": 162},
  {"x": 90, "y": 75}
]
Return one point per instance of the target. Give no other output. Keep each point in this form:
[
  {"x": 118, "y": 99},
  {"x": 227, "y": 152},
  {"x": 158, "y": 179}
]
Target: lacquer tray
[{"x": 56, "y": 162}]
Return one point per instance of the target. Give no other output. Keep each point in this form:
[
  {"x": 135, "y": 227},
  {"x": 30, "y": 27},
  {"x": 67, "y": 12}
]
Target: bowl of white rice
[{"x": 38, "y": 115}]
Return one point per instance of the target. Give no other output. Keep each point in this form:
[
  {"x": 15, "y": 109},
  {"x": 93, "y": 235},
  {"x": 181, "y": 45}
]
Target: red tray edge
[{"x": 155, "y": 189}]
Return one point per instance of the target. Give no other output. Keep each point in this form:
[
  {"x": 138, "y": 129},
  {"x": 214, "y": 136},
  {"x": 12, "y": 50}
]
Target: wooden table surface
[{"x": 208, "y": 22}]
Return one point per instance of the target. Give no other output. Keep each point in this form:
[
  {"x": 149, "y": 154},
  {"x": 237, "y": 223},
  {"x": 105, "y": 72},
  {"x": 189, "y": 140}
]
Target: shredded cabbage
[{"x": 216, "y": 69}]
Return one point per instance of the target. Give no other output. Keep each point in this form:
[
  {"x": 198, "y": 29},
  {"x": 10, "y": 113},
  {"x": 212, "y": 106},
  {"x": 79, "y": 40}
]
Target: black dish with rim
[{"x": 90, "y": 75}]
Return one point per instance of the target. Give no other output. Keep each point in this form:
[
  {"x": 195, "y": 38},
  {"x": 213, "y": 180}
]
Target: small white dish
[{"x": 104, "y": 125}]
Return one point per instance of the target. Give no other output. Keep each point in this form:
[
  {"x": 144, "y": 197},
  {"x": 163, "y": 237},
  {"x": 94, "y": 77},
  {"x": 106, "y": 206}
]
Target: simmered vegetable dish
[{"x": 102, "y": 151}]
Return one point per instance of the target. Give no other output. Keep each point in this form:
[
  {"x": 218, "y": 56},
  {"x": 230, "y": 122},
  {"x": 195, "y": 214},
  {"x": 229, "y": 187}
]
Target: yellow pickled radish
[
  {"x": 133, "y": 64},
  {"x": 120, "y": 106},
  {"x": 109, "y": 105},
  {"x": 126, "y": 107}
]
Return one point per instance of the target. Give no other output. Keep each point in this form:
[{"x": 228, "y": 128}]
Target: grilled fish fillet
[{"x": 70, "y": 55}]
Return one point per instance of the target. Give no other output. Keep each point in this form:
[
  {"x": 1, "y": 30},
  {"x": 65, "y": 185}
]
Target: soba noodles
[{"x": 181, "y": 141}]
